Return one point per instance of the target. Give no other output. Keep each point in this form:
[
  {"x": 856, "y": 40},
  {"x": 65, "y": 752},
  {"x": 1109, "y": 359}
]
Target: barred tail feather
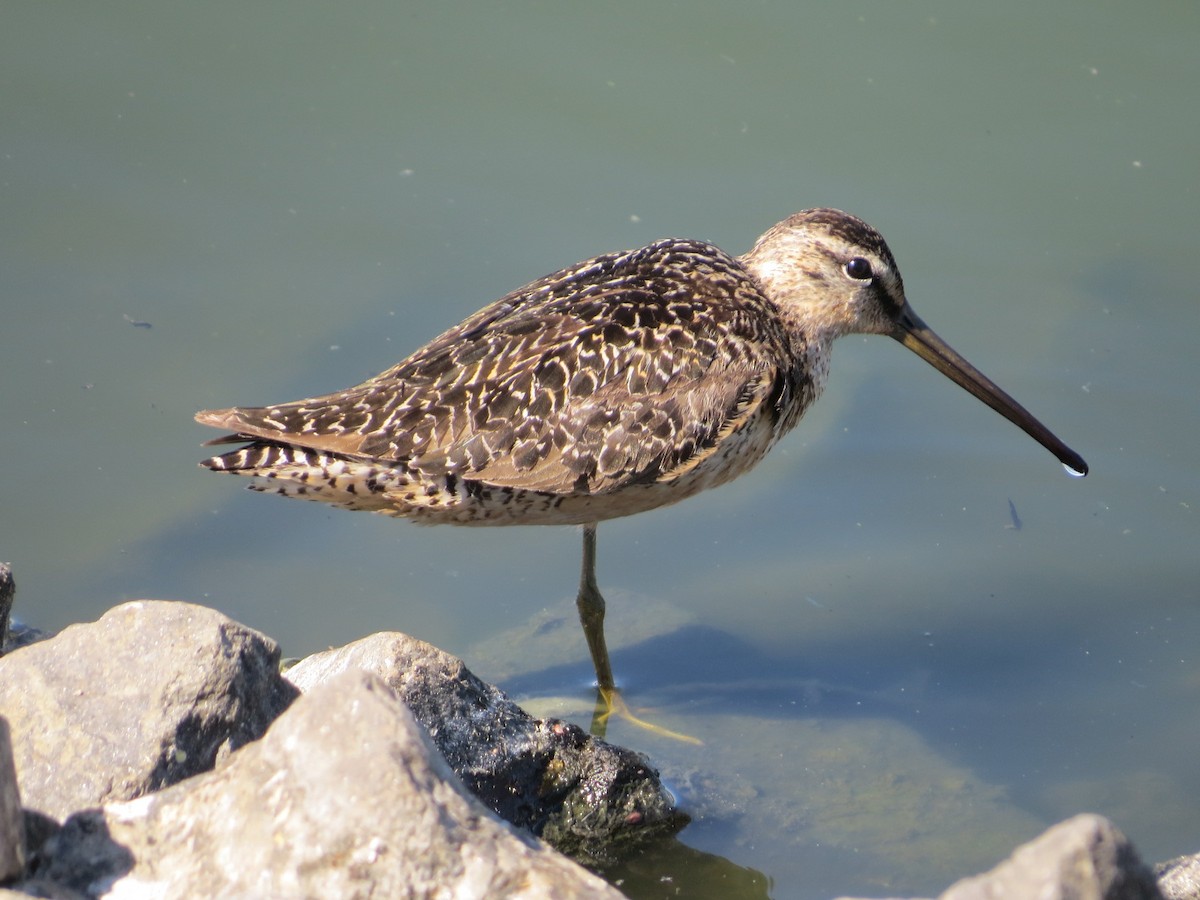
[
  {"x": 259, "y": 456},
  {"x": 308, "y": 474}
]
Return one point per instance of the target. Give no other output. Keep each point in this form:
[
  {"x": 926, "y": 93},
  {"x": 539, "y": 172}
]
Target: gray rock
[
  {"x": 1179, "y": 878},
  {"x": 343, "y": 797},
  {"x": 1082, "y": 858},
  {"x": 12, "y": 823},
  {"x": 43, "y": 889},
  {"x": 582, "y": 795},
  {"x": 153, "y": 692},
  {"x": 7, "y": 589}
]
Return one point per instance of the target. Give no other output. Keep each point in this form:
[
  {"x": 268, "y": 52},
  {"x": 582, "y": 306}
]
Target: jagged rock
[
  {"x": 1179, "y": 878},
  {"x": 582, "y": 795},
  {"x": 343, "y": 797},
  {"x": 1083, "y": 858},
  {"x": 151, "y": 693},
  {"x": 12, "y": 823}
]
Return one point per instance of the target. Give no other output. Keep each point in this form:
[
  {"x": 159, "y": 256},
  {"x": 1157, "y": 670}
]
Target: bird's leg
[
  {"x": 590, "y": 604},
  {"x": 591, "y": 612}
]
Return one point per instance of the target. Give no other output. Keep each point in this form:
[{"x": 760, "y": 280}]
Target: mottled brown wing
[{"x": 621, "y": 370}]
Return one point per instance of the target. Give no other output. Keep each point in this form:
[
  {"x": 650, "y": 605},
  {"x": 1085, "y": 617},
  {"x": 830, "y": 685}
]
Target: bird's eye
[{"x": 859, "y": 269}]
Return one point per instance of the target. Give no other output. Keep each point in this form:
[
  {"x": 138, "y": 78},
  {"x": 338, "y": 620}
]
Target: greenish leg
[
  {"x": 591, "y": 615},
  {"x": 591, "y": 612}
]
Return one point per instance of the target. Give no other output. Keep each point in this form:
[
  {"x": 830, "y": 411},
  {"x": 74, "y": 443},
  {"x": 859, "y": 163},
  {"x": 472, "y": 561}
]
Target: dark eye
[{"x": 859, "y": 269}]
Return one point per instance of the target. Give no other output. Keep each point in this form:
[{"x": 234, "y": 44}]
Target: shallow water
[{"x": 220, "y": 204}]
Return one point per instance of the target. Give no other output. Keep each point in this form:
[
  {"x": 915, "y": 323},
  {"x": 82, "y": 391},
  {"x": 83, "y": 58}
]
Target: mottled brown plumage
[
  {"x": 623, "y": 383},
  {"x": 622, "y": 373}
]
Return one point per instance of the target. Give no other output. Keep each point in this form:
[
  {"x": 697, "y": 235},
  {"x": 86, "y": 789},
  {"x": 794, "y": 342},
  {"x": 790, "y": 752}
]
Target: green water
[{"x": 894, "y": 683}]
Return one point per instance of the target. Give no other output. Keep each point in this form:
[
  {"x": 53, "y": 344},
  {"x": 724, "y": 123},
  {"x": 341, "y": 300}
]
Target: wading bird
[{"x": 623, "y": 383}]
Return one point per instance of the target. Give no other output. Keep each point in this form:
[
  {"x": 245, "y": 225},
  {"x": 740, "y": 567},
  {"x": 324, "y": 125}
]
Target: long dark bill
[{"x": 921, "y": 340}]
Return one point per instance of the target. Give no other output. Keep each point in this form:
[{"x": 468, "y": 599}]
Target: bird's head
[{"x": 830, "y": 273}]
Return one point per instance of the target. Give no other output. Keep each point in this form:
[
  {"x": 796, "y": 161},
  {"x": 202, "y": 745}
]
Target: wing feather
[{"x": 624, "y": 369}]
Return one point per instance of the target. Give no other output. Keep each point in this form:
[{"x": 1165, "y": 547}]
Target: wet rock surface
[{"x": 584, "y": 796}]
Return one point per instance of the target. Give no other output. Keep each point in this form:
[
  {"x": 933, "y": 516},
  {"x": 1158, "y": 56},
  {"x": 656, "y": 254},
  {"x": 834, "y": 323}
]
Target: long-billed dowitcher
[{"x": 620, "y": 384}]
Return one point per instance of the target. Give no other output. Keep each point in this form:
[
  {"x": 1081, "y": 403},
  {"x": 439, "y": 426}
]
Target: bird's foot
[{"x": 609, "y": 703}]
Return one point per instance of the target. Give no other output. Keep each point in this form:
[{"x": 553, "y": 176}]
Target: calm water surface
[{"x": 907, "y": 640}]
